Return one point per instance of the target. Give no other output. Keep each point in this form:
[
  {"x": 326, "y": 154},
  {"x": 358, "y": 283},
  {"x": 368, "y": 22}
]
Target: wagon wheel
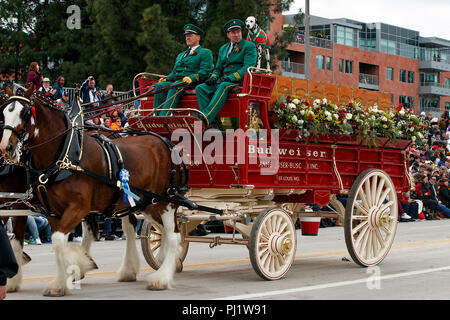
[
  {"x": 151, "y": 240},
  {"x": 272, "y": 243},
  {"x": 371, "y": 217}
]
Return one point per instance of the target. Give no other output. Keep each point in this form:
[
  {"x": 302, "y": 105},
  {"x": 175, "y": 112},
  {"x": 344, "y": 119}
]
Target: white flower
[
  {"x": 294, "y": 118},
  {"x": 291, "y": 106},
  {"x": 324, "y": 101},
  {"x": 411, "y": 129},
  {"x": 336, "y": 116},
  {"x": 311, "y": 112},
  {"x": 383, "y": 118},
  {"x": 327, "y": 114},
  {"x": 302, "y": 112},
  {"x": 413, "y": 138},
  {"x": 348, "y": 116},
  {"x": 420, "y": 135},
  {"x": 317, "y": 101},
  {"x": 300, "y": 122},
  {"x": 296, "y": 101},
  {"x": 401, "y": 112}
]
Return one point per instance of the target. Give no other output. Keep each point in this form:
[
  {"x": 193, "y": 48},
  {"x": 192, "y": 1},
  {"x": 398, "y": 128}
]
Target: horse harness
[{"x": 69, "y": 163}]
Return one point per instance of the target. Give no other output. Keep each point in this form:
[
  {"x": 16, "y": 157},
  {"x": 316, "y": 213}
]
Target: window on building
[
  {"x": 320, "y": 60},
  {"x": 447, "y": 106},
  {"x": 328, "y": 63},
  {"x": 402, "y": 77},
  {"x": 389, "y": 74},
  {"x": 447, "y": 82},
  {"x": 341, "y": 65},
  {"x": 410, "y": 76},
  {"x": 348, "y": 66},
  {"x": 407, "y": 101}
]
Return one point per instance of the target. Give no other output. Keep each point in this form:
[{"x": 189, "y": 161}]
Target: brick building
[{"x": 371, "y": 56}]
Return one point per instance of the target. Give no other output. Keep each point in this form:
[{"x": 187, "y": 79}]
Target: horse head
[{"x": 17, "y": 116}]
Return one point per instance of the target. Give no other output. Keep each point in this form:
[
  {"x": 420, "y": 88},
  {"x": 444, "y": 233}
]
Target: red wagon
[{"x": 262, "y": 195}]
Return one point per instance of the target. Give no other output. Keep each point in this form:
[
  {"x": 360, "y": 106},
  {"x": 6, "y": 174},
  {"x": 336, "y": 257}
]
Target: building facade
[{"x": 372, "y": 56}]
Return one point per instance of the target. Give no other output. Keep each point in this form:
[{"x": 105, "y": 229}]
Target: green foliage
[{"x": 117, "y": 39}]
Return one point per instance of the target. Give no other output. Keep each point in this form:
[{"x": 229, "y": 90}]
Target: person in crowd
[
  {"x": 116, "y": 124},
  {"x": 91, "y": 93},
  {"x": 107, "y": 122},
  {"x": 37, "y": 226},
  {"x": 121, "y": 115},
  {"x": 110, "y": 95},
  {"x": 8, "y": 263},
  {"x": 46, "y": 88},
  {"x": 234, "y": 58},
  {"x": 423, "y": 193},
  {"x": 192, "y": 66},
  {"x": 444, "y": 194},
  {"x": 434, "y": 190},
  {"x": 34, "y": 77},
  {"x": 60, "y": 93}
]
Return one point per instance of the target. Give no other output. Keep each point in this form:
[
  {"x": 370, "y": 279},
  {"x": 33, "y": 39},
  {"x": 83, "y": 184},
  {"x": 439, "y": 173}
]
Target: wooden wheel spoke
[
  {"x": 373, "y": 189},
  {"x": 379, "y": 237},
  {"x": 361, "y": 235},
  {"x": 362, "y": 196},
  {"x": 383, "y": 197},
  {"x": 385, "y": 206},
  {"x": 361, "y": 209},
  {"x": 368, "y": 192},
  {"x": 380, "y": 189},
  {"x": 156, "y": 247},
  {"x": 359, "y": 227}
]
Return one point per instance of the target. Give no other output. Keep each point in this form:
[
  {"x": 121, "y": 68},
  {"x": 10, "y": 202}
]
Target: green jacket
[
  {"x": 197, "y": 65},
  {"x": 240, "y": 59}
]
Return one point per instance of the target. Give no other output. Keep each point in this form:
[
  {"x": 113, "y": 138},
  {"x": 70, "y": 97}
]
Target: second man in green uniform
[{"x": 233, "y": 61}]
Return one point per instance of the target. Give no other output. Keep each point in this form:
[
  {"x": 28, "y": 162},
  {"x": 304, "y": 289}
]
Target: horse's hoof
[
  {"x": 179, "y": 267},
  {"x": 60, "y": 292},
  {"x": 156, "y": 286},
  {"x": 127, "y": 278},
  {"x": 12, "y": 289}
]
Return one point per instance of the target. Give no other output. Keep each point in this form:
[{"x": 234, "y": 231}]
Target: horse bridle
[{"x": 27, "y": 117}]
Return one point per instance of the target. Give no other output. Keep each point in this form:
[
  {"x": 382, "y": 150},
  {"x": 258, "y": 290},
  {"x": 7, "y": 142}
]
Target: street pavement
[{"x": 416, "y": 268}]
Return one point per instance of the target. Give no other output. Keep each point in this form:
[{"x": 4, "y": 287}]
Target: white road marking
[{"x": 329, "y": 285}]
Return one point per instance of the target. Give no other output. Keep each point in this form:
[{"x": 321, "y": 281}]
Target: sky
[{"x": 430, "y": 17}]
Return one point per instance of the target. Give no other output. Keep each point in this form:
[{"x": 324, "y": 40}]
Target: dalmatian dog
[{"x": 260, "y": 38}]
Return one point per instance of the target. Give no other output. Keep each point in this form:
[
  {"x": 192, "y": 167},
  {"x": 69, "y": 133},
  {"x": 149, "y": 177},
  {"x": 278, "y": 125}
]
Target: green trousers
[
  {"x": 211, "y": 107},
  {"x": 172, "y": 98}
]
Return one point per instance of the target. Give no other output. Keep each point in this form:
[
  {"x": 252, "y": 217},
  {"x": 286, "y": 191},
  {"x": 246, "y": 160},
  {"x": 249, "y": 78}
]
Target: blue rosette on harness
[{"x": 128, "y": 196}]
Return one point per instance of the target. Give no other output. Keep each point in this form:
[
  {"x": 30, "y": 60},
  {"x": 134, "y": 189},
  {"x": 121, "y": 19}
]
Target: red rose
[
  {"x": 350, "y": 104},
  {"x": 239, "y": 48},
  {"x": 194, "y": 52},
  {"x": 399, "y": 107},
  {"x": 282, "y": 106},
  {"x": 311, "y": 117}
]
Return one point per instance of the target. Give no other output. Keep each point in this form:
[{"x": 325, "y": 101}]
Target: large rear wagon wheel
[
  {"x": 151, "y": 240},
  {"x": 371, "y": 217},
  {"x": 272, "y": 243}
]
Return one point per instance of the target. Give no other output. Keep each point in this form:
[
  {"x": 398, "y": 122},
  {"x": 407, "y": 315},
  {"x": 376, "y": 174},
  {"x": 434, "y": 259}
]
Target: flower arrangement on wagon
[{"x": 321, "y": 118}]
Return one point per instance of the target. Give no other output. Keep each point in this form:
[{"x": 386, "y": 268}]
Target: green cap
[
  {"x": 233, "y": 24},
  {"x": 190, "y": 28}
]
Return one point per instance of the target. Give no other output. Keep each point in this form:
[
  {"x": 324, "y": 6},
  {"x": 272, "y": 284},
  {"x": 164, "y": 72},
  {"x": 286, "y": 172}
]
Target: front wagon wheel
[
  {"x": 272, "y": 243},
  {"x": 371, "y": 217}
]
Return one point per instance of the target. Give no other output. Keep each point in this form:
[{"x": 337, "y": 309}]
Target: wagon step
[
  {"x": 322, "y": 214},
  {"x": 14, "y": 195}
]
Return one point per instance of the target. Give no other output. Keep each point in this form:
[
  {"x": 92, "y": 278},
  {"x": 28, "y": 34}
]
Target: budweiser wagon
[{"x": 258, "y": 179}]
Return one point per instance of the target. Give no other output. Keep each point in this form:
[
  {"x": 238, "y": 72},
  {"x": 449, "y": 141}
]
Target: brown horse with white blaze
[{"x": 147, "y": 159}]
